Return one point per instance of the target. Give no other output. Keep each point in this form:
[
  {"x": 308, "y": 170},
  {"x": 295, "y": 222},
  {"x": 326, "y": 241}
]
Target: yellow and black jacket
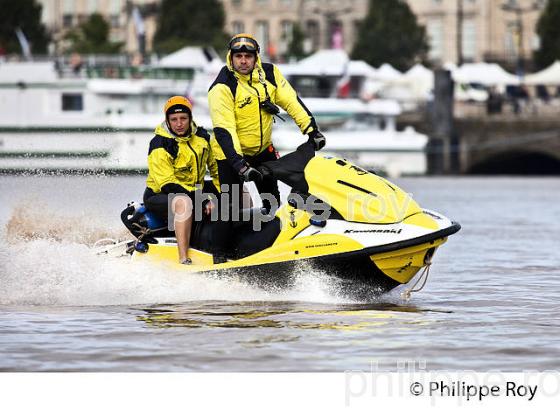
[
  {"x": 180, "y": 161},
  {"x": 241, "y": 126}
]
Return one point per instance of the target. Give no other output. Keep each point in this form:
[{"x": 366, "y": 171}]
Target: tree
[
  {"x": 190, "y": 22},
  {"x": 390, "y": 34},
  {"x": 92, "y": 36},
  {"x": 548, "y": 30},
  {"x": 25, "y": 14},
  {"x": 295, "y": 47}
]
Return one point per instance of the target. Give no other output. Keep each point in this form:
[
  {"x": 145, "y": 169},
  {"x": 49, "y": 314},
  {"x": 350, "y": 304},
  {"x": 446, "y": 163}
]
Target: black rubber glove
[
  {"x": 318, "y": 139},
  {"x": 265, "y": 172},
  {"x": 248, "y": 173}
]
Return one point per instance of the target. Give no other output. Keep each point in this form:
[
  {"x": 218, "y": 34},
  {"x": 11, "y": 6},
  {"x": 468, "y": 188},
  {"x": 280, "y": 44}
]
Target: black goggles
[{"x": 244, "y": 44}]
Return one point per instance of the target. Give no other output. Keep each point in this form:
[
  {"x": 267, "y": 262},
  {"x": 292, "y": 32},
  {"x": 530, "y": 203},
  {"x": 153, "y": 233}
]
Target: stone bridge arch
[
  {"x": 509, "y": 150},
  {"x": 516, "y": 163}
]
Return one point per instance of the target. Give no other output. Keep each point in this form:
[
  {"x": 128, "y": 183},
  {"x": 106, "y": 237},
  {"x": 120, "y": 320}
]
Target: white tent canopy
[
  {"x": 420, "y": 80},
  {"x": 199, "y": 58},
  {"x": 548, "y": 76},
  {"x": 323, "y": 62},
  {"x": 387, "y": 73},
  {"x": 361, "y": 68},
  {"x": 484, "y": 73},
  {"x": 419, "y": 72},
  {"x": 328, "y": 62},
  {"x": 323, "y": 58}
]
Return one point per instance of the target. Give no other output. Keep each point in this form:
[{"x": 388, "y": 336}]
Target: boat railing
[
  {"x": 115, "y": 67},
  {"x": 348, "y": 121},
  {"x": 131, "y": 72},
  {"x": 127, "y": 72}
]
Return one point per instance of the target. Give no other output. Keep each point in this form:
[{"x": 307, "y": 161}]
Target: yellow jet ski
[{"x": 369, "y": 232}]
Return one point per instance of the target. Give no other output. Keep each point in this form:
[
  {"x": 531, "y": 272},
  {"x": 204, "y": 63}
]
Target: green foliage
[
  {"x": 295, "y": 48},
  {"x": 25, "y": 14},
  {"x": 548, "y": 30},
  {"x": 390, "y": 34},
  {"x": 183, "y": 23},
  {"x": 92, "y": 37}
]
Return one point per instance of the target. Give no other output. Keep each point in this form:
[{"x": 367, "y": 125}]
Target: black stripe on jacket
[
  {"x": 226, "y": 77},
  {"x": 168, "y": 144}
]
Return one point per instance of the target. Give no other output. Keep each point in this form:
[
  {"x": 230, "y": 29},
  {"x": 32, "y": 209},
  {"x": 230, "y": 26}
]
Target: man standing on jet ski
[
  {"x": 177, "y": 159},
  {"x": 243, "y": 101}
]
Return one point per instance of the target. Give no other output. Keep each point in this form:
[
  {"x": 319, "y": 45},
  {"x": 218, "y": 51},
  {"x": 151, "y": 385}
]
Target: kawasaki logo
[{"x": 397, "y": 231}]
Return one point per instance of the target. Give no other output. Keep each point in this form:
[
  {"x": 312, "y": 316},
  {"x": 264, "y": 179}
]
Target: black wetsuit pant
[
  {"x": 223, "y": 229},
  {"x": 158, "y": 205}
]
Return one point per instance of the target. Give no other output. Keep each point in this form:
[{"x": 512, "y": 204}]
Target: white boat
[
  {"x": 365, "y": 133},
  {"x": 100, "y": 120},
  {"x": 103, "y": 121}
]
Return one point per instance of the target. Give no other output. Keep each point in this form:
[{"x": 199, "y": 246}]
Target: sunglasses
[{"x": 244, "y": 44}]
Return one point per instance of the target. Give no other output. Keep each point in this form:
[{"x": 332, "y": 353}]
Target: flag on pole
[
  {"x": 343, "y": 84},
  {"x": 337, "y": 41},
  {"x": 24, "y": 44},
  {"x": 140, "y": 31},
  {"x": 138, "y": 22}
]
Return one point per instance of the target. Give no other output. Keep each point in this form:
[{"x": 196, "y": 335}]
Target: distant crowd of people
[{"x": 519, "y": 98}]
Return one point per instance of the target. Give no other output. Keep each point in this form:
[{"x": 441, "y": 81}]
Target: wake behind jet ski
[{"x": 362, "y": 229}]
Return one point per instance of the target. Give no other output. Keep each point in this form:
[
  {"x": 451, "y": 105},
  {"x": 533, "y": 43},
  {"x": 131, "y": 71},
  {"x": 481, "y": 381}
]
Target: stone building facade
[
  {"x": 490, "y": 30},
  {"x": 60, "y": 16},
  {"x": 326, "y": 23}
]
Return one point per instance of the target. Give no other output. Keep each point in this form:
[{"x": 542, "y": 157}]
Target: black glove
[
  {"x": 318, "y": 139},
  {"x": 248, "y": 173},
  {"x": 265, "y": 172}
]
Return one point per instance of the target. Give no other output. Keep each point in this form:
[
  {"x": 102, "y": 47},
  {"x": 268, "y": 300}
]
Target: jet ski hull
[
  {"x": 339, "y": 221},
  {"x": 368, "y": 271}
]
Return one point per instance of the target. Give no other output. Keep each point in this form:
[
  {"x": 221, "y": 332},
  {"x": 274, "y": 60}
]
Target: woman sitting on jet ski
[{"x": 178, "y": 157}]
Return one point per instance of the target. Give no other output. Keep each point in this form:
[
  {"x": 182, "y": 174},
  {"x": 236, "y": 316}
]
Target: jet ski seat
[{"x": 245, "y": 241}]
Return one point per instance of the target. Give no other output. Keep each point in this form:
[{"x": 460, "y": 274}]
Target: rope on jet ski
[
  {"x": 146, "y": 231},
  {"x": 407, "y": 294}
]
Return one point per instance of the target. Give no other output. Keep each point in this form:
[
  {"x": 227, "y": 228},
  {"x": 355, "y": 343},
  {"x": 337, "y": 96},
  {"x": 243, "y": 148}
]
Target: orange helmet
[{"x": 177, "y": 103}]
